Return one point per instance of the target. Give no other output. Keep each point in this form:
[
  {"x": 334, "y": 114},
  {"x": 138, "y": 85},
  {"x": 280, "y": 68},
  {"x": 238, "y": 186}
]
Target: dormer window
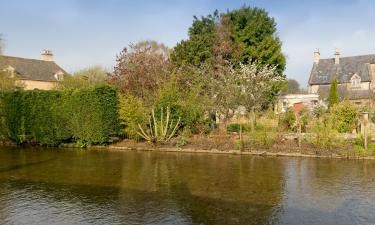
[
  {"x": 355, "y": 81},
  {"x": 59, "y": 76},
  {"x": 10, "y": 71}
]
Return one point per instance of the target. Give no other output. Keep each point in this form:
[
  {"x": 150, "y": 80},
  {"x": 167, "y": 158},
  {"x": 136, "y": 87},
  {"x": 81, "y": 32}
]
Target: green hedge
[{"x": 88, "y": 116}]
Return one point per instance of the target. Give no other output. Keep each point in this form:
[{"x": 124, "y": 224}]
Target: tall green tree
[
  {"x": 333, "y": 94},
  {"x": 254, "y": 32},
  {"x": 252, "y": 38},
  {"x": 198, "y": 48}
]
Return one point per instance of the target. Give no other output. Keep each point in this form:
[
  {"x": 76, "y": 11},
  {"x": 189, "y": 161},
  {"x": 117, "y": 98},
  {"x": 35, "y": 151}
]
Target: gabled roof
[
  {"x": 326, "y": 70},
  {"x": 32, "y": 69}
]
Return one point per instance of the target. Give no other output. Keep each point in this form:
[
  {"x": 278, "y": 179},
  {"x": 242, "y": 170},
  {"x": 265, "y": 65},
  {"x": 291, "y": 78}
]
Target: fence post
[{"x": 364, "y": 128}]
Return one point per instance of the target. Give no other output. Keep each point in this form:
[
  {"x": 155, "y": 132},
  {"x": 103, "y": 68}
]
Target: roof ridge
[
  {"x": 16, "y": 57},
  {"x": 345, "y": 57}
]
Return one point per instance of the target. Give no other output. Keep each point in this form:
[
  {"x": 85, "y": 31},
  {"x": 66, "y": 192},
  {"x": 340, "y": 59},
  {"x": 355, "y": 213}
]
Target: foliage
[
  {"x": 345, "y": 116},
  {"x": 292, "y": 87},
  {"x": 159, "y": 131},
  {"x": 247, "y": 86},
  {"x": 288, "y": 119},
  {"x": 51, "y": 117},
  {"x": 132, "y": 112},
  {"x": 198, "y": 49},
  {"x": 91, "y": 76},
  {"x": 94, "y": 114},
  {"x": 243, "y": 36},
  {"x": 359, "y": 146},
  {"x": 8, "y": 82},
  {"x": 333, "y": 94},
  {"x": 254, "y": 31},
  {"x": 255, "y": 84},
  {"x": 183, "y": 138},
  {"x": 142, "y": 69},
  {"x": 189, "y": 104},
  {"x": 261, "y": 139},
  {"x": 303, "y": 118},
  {"x": 319, "y": 111},
  {"x": 324, "y": 133},
  {"x": 235, "y": 127}
]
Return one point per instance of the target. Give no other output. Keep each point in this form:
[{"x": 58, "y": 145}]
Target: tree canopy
[
  {"x": 249, "y": 35},
  {"x": 142, "y": 68},
  {"x": 91, "y": 76},
  {"x": 292, "y": 87}
]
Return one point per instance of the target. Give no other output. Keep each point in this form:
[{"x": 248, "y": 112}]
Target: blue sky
[{"x": 89, "y": 32}]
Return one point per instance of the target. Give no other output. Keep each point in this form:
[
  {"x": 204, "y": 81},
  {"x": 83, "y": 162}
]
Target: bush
[
  {"x": 132, "y": 112},
  {"x": 345, "y": 116},
  {"x": 288, "y": 119},
  {"x": 188, "y": 105},
  {"x": 50, "y": 117},
  {"x": 261, "y": 139},
  {"x": 324, "y": 134}
]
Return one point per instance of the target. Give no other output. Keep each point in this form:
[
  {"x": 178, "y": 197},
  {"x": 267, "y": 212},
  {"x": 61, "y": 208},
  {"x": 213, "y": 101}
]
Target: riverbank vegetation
[
  {"x": 84, "y": 116},
  {"x": 214, "y": 90}
]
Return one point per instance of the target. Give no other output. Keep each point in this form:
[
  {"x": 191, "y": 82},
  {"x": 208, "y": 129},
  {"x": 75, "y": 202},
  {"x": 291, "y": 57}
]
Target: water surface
[{"x": 56, "y": 186}]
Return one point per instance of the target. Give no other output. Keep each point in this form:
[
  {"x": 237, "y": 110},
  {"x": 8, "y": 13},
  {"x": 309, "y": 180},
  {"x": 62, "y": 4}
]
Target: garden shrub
[
  {"x": 345, "y": 116},
  {"x": 261, "y": 139},
  {"x": 288, "y": 119},
  {"x": 50, "y": 117},
  {"x": 132, "y": 112},
  {"x": 188, "y": 105},
  {"x": 324, "y": 134}
]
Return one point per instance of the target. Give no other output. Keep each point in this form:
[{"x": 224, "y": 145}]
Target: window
[
  {"x": 355, "y": 81},
  {"x": 59, "y": 76},
  {"x": 284, "y": 106},
  {"x": 10, "y": 71}
]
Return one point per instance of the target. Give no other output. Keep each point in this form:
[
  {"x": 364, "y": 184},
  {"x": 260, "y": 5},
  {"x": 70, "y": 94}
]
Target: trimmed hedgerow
[{"x": 88, "y": 116}]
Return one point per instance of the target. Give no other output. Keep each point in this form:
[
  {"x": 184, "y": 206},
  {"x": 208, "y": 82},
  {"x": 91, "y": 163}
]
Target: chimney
[
  {"x": 47, "y": 55},
  {"x": 316, "y": 56},
  {"x": 337, "y": 56}
]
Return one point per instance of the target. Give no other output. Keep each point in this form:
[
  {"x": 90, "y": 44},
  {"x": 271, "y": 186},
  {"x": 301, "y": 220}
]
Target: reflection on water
[{"x": 97, "y": 187}]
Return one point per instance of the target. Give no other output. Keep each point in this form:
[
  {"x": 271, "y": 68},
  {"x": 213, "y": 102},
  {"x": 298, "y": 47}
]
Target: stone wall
[{"x": 33, "y": 84}]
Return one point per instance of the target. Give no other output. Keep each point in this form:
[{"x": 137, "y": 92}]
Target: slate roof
[
  {"x": 326, "y": 70},
  {"x": 345, "y": 94},
  {"x": 32, "y": 69}
]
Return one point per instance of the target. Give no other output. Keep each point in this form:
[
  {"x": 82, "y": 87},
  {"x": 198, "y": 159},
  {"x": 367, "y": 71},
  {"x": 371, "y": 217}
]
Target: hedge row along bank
[{"x": 86, "y": 116}]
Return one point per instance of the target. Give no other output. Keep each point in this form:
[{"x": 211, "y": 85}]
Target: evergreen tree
[
  {"x": 252, "y": 38},
  {"x": 254, "y": 34},
  {"x": 198, "y": 49},
  {"x": 333, "y": 94}
]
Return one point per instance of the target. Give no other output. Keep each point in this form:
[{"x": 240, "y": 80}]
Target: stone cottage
[
  {"x": 355, "y": 76},
  {"x": 41, "y": 73}
]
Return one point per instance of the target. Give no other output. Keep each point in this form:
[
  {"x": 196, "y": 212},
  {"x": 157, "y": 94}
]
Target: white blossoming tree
[
  {"x": 255, "y": 83},
  {"x": 247, "y": 86}
]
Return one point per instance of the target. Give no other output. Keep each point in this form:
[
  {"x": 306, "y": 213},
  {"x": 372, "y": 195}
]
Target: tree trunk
[{"x": 253, "y": 119}]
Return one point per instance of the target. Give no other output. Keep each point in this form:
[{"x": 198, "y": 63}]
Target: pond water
[{"x": 60, "y": 186}]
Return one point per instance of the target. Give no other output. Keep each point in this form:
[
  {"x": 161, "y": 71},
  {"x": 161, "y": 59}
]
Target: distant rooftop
[
  {"x": 32, "y": 69},
  {"x": 325, "y": 70}
]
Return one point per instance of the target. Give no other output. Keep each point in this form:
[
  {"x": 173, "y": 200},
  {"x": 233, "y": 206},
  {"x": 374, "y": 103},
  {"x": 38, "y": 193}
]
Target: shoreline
[
  {"x": 261, "y": 152},
  {"x": 230, "y": 152}
]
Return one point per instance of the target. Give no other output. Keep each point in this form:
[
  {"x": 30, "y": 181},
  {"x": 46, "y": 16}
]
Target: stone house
[
  {"x": 355, "y": 76},
  {"x": 41, "y": 73}
]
